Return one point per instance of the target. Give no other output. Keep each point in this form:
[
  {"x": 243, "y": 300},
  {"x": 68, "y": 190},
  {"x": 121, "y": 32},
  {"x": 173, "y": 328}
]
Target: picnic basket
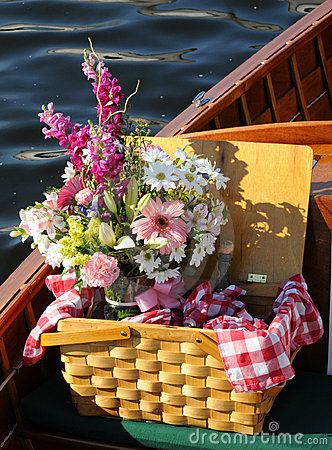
[{"x": 175, "y": 375}]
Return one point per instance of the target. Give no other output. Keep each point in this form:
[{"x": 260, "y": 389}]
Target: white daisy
[
  {"x": 208, "y": 242},
  {"x": 146, "y": 261},
  {"x": 69, "y": 172},
  {"x": 181, "y": 154},
  {"x": 191, "y": 180},
  {"x": 160, "y": 176},
  {"x": 198, "y": 255},
  {"x": 164, "y": 275},
  {"x": 177, "y": 254},
  {"x": 154, "y": 153}
]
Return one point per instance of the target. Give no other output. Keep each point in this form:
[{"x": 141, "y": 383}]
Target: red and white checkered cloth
[
  {"x": 69, "y": 303},
  {"x": 257, "y": 356},
  {"x": 202, "y": 304}
]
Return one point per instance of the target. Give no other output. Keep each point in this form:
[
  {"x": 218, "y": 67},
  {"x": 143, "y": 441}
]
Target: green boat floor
[{"x": 300, "y": 417}]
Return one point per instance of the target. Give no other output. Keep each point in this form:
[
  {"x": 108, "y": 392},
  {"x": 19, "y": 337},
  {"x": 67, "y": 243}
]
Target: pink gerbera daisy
[
  {"x": 162, "y": 220},
  {"x": 67, "y": 193}
]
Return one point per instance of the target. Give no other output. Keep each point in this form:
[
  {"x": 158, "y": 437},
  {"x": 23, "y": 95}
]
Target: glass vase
[{"x": 120, "y": 297}]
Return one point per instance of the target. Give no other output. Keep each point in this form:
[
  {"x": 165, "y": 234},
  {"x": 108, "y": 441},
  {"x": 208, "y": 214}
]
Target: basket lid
[{"x": 267, "y": 197}]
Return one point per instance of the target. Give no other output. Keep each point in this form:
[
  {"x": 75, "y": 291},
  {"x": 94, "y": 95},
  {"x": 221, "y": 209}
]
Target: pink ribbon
[{"x": 167, "y": 295}]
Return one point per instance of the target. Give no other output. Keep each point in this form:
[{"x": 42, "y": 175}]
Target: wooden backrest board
[{"x": 267, "y": 197}]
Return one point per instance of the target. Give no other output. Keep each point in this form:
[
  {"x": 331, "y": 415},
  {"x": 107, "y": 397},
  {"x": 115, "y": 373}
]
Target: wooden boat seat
[
  {"x": 49, "y": 417},
  {"x": 315, "y": 134}
]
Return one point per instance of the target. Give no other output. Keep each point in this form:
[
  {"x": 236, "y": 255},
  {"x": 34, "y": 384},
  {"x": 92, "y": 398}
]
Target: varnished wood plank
[
  {"x": 30, "y": 316},
  {"x": 322, "y": 176},
  {"x": 245, "y": 110},
  {"x": 298, "y": 87},
  {"x": 288, "y": 106},
  {"x": 272, "y": 98},
  {"x": 231, "y": 116},
  {"x": 265, "y": 117},
  {"x": 313, "y": 87},
  {"x": 13, "y": 306},
  {"x": 18, "y": 279},
  {"x": 12, "y": 390},
  {"x": 304, "y": 133},
  {"x": 217, "y": 121},
  {"x": 317, "y": 273},
  {"x": 323, "y": 64},
  {"x": 324, "y": 203},
  {"x": 307, "y": 58},
  {"x": 321, "y": 108}
]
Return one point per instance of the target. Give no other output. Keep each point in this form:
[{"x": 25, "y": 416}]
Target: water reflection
[
  {"x": 176, "y": 56},
  {"x": 300, "y": 6},
  {"x": 33, "y": 27},
  {"x": 209, "y": 14},
  {"x": 142, "y": 3},
  {"x": 40, "y": 155},
  {"x": 148, "y": 8}
]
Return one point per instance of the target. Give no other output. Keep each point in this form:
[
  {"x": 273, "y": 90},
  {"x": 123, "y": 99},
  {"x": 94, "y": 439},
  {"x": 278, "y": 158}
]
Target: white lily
[{"x": 124, "y": 242}]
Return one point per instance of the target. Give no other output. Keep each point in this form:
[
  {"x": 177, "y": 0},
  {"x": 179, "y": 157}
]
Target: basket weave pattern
[{"x": 160, "y": 380}]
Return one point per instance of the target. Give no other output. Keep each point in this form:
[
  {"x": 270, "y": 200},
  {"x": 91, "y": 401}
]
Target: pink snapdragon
[
  {"x": 88, "y": 66},
  {"x": 101, "y": 270},
  {"x": 108, "y": 92},
  {"x": 106, "y": 161},
  {"x": 106, "y": 158}
]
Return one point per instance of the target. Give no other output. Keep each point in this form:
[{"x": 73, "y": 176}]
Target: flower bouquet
[{"x": 130, "y": 216}]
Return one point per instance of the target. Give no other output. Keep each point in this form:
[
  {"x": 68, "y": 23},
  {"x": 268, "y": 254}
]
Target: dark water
[{"x": 175, "y": 47}]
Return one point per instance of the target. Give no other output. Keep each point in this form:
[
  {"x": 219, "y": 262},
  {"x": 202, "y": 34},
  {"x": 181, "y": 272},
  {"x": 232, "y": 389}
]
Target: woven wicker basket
[
  {"x": 173, "y": 374},
  {"x": 151, "y": 372}
]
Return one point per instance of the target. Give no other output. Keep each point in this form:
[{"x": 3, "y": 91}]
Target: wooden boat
[{"x": 289, "y": 80}]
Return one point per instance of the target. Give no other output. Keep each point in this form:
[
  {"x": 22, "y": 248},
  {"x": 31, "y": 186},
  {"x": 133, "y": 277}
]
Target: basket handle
[
  {"x": 84, "y": 337},
  {"x": 207, "y": 344}
]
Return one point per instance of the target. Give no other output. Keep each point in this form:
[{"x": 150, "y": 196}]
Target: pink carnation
[
  {"x": 84, "y": 197},
  {"x": 101, "y": 270}
]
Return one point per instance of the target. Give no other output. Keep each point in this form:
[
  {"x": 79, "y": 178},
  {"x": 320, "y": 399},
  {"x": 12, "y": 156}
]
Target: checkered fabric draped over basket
[
  {"x": 255, "y": 355},
  {"x": 69, "y": 303}
]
